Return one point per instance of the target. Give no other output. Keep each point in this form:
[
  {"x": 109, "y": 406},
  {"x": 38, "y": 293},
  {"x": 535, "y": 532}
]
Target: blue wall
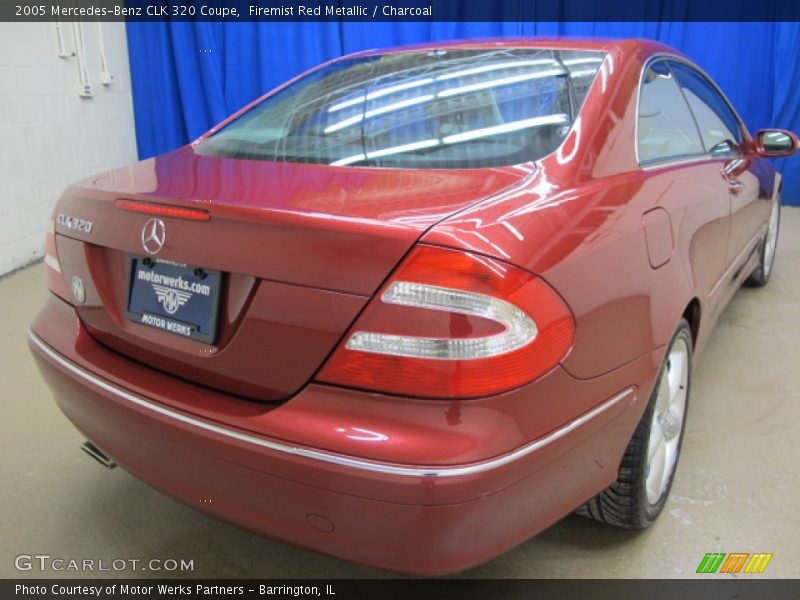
[{"x": 189, "y": 76}]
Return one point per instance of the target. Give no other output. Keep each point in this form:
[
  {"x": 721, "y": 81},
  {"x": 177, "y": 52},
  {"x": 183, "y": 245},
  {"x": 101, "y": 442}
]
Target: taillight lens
[
  {"x": 451, "y": 324},
  {"x": 52, "y": 268}
]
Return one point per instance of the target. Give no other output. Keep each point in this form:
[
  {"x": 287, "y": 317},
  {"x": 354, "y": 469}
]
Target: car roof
[{"x": 626, "y": 47}]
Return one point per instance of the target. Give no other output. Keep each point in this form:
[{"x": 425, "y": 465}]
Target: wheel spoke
[
  {"x": 663, "y": 398},
  {"x": 772, "y": 238},
  {"x": 677, "y": 361},
  {"x": 655, "y": 477},
  {"x": 670, "y": 455},
  {"x": 678, "y": 408},
  {"x": 656, "y": 441}
]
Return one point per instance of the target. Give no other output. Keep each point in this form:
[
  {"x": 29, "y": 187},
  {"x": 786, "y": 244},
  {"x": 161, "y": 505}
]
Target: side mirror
[{"x": 774, "y": 143}]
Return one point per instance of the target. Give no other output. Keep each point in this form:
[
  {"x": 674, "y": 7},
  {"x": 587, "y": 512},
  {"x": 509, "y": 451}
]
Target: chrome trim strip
[
  {"x": 329, "y": 457},
  {"x": 690, "y": 160}
]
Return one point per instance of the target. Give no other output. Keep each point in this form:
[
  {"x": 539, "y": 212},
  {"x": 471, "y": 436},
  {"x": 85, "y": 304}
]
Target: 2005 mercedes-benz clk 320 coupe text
[{"x": 415, "y": 306}]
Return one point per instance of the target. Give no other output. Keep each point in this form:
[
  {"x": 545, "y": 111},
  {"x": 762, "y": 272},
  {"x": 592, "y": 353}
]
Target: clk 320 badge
[{"x": 75, "y": 223}]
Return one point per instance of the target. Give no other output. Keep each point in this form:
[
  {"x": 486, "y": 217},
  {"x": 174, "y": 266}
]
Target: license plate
[{"x": 174, "y": 297}]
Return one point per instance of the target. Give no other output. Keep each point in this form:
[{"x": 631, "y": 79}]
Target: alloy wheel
[
  {"x": 771, "y": 241},
  {"x": 667, "y": 423}
]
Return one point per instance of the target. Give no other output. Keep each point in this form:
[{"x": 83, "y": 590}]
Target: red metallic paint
[
  {"x": 304, "y": 248},
  {"x": 458, "y": 521}
]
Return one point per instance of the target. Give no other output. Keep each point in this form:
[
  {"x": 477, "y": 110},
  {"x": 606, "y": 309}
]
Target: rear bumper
[{"x": 245, "y": 462}]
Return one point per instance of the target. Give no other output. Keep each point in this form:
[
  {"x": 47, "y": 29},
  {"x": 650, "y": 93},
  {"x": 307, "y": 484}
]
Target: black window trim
[{"x": 681, "y": 158}]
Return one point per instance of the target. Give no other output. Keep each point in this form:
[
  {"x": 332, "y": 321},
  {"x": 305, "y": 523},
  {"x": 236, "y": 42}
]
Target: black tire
[
  {"x": 762, "y": 273},
  {"x": 625, "y": 503}
]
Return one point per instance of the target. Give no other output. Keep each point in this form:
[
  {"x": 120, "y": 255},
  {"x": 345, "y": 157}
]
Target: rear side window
[
  {"x": 717, "y": 123},
  {"x": 421, "y": 109},
  {"x": 666, "y": 128}
]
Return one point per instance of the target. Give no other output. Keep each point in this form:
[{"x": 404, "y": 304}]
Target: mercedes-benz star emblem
[{"x": 154, "y": 234}]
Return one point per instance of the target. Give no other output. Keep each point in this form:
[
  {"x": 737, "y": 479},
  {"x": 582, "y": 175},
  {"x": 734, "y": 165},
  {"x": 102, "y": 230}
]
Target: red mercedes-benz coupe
[{"x": 415, "y": 306}]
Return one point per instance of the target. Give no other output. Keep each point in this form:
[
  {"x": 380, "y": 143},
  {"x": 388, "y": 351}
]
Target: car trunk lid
[{"x": 297, "y": 251}]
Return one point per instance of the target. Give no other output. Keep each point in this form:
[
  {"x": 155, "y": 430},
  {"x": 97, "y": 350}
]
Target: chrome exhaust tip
[{"x": 98, "y": 455}]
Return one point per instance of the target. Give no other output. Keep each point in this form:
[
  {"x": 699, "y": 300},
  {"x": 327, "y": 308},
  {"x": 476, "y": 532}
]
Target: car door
[
  {"x": 723, "y": 138},
  {"x": 682, "y": 178}
]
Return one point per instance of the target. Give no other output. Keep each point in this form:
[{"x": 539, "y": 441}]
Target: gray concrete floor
[{"x": 736, "y": 490}]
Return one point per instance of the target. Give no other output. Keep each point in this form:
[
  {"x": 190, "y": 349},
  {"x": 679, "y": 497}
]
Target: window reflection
[{"x": 441, "y": 109}]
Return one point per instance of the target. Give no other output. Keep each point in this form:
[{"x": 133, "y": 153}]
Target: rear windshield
[{"x": 437, "y": 109}]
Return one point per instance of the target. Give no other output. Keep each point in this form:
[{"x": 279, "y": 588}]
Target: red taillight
[
  {"x": 52, "y": 268},
  {"x": 450, "y": 324},
  {"x": 177, "y": 212}
]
